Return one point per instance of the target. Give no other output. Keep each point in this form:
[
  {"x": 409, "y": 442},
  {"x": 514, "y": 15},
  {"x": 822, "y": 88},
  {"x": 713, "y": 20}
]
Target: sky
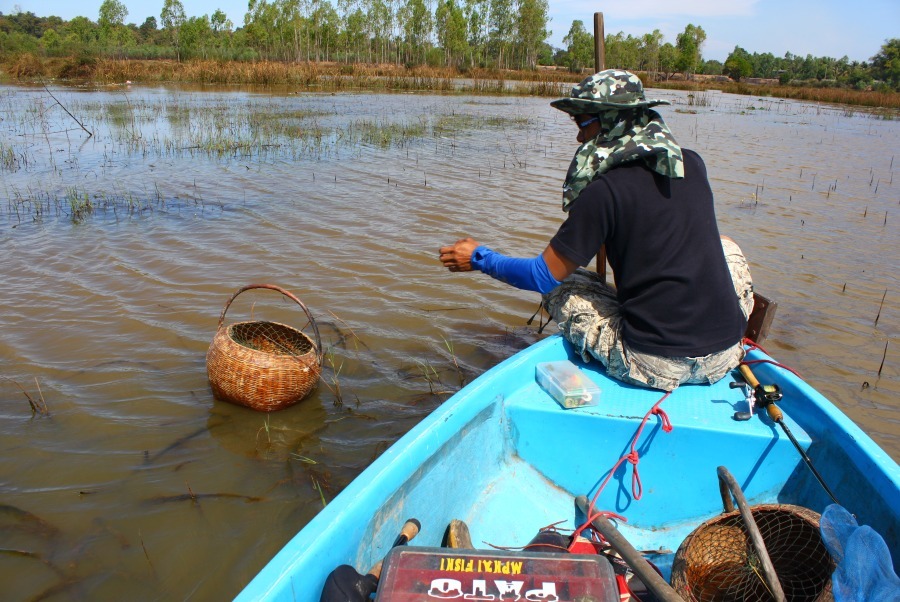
[{"x": 833, "y": 28}]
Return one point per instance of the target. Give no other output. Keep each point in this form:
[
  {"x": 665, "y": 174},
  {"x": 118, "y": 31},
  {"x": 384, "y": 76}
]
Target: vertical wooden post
[
  {"x": 600, "y": 65},
  {"x": 599, "y": 43}
]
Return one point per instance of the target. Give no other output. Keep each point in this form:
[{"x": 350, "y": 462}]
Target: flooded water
[{"x": 120, "y": 250}]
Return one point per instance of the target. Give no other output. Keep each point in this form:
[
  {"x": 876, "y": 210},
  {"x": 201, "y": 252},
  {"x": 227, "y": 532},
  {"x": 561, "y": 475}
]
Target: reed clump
[
  {"x": 699, "y": 99},
  {"x": 331, "y": 76},
  {"x": 302, "y": 75},
  {"x": 37, "y": 404},
  {"x": 25, "y": 66}
]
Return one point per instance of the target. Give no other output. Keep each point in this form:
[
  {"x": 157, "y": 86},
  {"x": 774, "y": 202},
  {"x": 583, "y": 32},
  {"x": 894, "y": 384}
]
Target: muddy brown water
[{"x": 121, "y": 249}]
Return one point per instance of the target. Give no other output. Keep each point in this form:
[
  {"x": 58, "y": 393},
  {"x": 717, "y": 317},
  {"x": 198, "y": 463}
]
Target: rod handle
[
  {"x": 748, "y": 376},
  {"x": 409, "y": 530}
]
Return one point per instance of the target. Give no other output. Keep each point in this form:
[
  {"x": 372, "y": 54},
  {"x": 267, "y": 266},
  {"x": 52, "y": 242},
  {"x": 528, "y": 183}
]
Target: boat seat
[{"x": 760, "y": 319}]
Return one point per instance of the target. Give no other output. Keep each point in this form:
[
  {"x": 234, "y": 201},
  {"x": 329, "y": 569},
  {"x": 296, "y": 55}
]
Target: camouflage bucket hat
[{"x": 607, "y": 90}]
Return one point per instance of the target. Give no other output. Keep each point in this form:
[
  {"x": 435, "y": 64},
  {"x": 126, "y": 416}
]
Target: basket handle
[
  {"x": 319, "y": 352},
  {"x": 727, "y": 484}
]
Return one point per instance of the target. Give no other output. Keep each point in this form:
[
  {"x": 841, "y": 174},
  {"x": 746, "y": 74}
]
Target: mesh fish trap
[
  {"x": 263, "y": 365},
  {"x": 718, "y": 561}
]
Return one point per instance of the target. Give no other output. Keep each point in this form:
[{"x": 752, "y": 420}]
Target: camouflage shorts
[{"x": 589, "y": 316}]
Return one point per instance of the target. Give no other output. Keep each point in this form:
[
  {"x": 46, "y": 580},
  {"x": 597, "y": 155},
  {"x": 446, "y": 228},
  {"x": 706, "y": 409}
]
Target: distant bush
[
  {"x": 80, "y": 67},
  {"x": 25, "y": 65}
]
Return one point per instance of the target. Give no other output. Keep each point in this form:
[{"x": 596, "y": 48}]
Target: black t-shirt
[{"x": 662, "y": 242}]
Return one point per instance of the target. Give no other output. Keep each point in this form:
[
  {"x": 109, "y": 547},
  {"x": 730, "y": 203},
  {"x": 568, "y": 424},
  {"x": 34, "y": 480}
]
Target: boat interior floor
[{"x": 530, "y": 488}]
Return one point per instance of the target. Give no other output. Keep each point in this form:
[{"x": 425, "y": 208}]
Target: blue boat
[{"x": 505, "y": 458}]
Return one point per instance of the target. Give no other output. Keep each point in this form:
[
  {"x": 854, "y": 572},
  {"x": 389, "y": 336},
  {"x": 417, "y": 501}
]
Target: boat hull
[{"x": 505, "y": 458}]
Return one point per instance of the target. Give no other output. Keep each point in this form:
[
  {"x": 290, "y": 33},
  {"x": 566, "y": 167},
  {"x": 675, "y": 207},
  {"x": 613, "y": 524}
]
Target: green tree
[
  {"x": 713, "y": 67},
  {"x": 737, "y": 68},
  {"x": 326, "y": 23},
  {"x": 545, "y": 54},
  {"x": 220, "y": 23},
  {"x": 475, "y": 12},
  {"x": 579, "y": 46},
  {"x": 765, "y": 65},
  {"x": 25, "y": 22},
  {"x": 355, "y": 38},
  {"x": 738, "y": 64},
  {"x": 502, "y": 24},
  {"x": 195, "y": 37},
  {"x": 859, "y": 76},
  {"x": 260, "y": 25},
  {"x": 668, "y": 60},
  {"x": 380, "y": 21},
  {"x": 787, "y": 69},
  {"x": 531, "y": 27},
  {"x": 148, "y": 29},
  {"x": 291, "y": 33},
  {"x": 690, "y": 44},
  {"x": 81, "y": 32},
  {"x": 222, "y": 30},
  {"x": 416, "y": 24},
  {"x": 623, "y": 52},
  {"x": 172, "y": 18},
  {"x": 450, "y": 27},
  {"x": 650, "y": 45},
  {"x": 112, "y": 24},
  {"x": 886, "y": 64},
  {"x": 112, "y": 13},
  {"x": 51, "y": 41}
]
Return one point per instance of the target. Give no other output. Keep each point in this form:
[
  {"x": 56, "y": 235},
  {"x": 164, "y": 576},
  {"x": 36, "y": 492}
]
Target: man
[{"x": 680, "y": 305}]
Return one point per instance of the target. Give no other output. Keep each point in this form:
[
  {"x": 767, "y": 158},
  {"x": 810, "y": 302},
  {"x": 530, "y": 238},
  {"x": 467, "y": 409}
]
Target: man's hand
[{"x": 458, "y": 256}]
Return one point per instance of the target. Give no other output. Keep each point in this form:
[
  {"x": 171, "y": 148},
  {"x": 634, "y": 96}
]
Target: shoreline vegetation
[{"x": 332, "y": 77}]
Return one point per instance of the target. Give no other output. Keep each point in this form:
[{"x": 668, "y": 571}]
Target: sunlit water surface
[{"x": 121, "y": 249}]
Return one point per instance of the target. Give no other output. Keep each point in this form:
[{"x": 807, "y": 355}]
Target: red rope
[
  {"x": 751, "y": 345},
  {"x": 633, "y": 457}
]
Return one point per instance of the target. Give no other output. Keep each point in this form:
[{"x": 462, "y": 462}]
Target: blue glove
[{"x": 529, "y": 274}]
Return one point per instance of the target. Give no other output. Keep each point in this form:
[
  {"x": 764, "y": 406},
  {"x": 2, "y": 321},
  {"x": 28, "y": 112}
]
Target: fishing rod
[{"x": 767, "y": 396}]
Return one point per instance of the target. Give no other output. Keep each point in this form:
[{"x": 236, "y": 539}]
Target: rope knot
[{"x": 666, "y": 423}]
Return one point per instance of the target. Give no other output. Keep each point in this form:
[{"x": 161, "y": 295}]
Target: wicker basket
[
  {"x": 265, "y": 366},
  {"x": 718, "y": 562}
]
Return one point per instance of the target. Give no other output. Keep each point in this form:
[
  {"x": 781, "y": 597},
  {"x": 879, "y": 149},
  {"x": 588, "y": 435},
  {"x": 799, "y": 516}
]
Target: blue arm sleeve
[{"x": 529, "y": 274}]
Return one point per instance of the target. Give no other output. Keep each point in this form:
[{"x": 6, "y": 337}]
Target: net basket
[
  {"x": 263, "y": 365},
  {"x": 718, "y": 562}
]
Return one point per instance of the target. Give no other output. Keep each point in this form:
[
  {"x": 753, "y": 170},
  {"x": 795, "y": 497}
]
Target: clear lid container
[{"x": 567, "y": 384}]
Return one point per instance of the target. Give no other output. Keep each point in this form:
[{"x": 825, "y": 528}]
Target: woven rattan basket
[
  {"x": 263, "y": 365},
  {"x": 718, "y": 562}
]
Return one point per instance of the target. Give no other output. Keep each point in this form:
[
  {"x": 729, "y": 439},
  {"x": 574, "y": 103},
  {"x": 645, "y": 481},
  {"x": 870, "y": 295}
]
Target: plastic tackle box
[{"x": 567, "y": 384}]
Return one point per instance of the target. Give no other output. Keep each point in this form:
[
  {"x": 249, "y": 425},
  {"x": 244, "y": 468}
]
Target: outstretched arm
[{"x": 542, "y": 273}]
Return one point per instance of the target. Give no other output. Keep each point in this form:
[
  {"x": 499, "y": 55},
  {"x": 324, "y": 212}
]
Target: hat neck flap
[{"x": 625, "y": 136}]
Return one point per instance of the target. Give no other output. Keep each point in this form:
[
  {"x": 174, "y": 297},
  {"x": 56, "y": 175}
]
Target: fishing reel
[{"x": 764, "y": 395}]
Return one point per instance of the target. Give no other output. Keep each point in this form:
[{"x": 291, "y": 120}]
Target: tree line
[
  {"x": 650, "y": 53},
  {"x": 502, "y": 34},
  {"x": 505, "y": 34}
]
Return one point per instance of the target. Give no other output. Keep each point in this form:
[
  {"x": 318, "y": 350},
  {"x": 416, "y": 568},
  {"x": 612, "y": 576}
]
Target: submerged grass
[
  {"x": 185, "y": 127},
  {"x": 77, "y": 204},
  {"x": 8, "y": 159}
]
